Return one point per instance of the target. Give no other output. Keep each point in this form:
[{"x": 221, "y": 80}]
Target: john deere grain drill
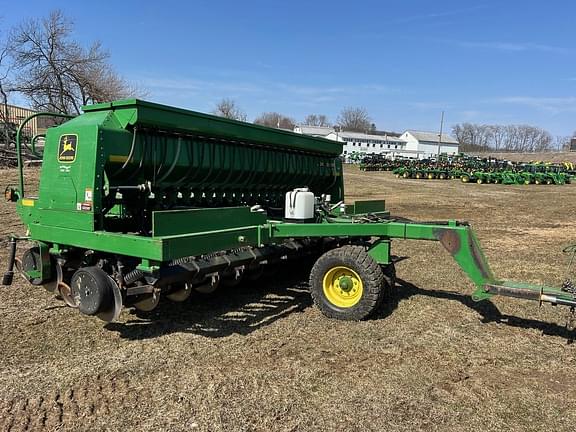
[{"x": 139, "y": 201}]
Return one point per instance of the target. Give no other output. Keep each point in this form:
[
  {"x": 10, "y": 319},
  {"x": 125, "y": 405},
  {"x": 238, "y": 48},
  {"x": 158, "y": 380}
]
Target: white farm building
[
  {"x": 316, "y": 131},
  {"x": 361, "y": 144},
  {"x": 410, "y": 144},
  {"x": 428, "y": 142}
]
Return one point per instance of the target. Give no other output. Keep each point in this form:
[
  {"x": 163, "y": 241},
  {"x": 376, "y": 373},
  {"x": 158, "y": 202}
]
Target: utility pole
[{"x": 440, "y": 137}]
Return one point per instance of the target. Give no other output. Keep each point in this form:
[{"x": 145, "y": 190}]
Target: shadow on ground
[
  {"x": 486, "y": 309},
  {"x": 252, "y": 305},
  {"x": 233, "y": 310}
]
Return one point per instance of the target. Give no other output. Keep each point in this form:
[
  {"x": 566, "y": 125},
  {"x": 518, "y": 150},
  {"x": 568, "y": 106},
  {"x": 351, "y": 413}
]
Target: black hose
[
  {"x": 9, "y": 275},
  {"x": 130, "y": 154},
  {"x": 176, "y": 159}
]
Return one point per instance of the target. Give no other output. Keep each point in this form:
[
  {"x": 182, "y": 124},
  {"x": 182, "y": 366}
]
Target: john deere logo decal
[{"x": 67, "y": 148}]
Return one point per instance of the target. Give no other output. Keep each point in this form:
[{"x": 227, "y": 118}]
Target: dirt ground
[{"x": 261, "y": 358}]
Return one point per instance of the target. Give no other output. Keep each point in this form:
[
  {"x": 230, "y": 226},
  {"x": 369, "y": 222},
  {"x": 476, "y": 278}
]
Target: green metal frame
[
  {"x": 69, "y": 210},
  {"x": 19, "y": 144},
  {"x": 33, "y": 144},
  {"x": 458, "y": 239}
]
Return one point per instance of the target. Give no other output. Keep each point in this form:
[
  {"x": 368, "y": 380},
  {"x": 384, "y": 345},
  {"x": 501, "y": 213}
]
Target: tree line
[
  {"x": 471, "y": 136},
  {"x": 507, "y": 138},
  {"x": 354, "y": 119}
]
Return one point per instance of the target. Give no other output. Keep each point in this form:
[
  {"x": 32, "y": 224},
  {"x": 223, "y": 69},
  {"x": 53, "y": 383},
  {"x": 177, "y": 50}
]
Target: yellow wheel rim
[{"x": 342, "y": 287}]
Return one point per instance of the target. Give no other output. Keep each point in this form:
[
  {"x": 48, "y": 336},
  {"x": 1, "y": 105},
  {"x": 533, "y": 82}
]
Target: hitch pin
[{"x": 556, "y": 301}]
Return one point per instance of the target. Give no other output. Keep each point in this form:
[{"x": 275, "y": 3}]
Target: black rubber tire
[
  {"x": 371, "y": 274},
  {"x": 91, "y": 286}
]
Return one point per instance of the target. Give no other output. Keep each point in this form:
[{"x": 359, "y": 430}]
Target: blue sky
[{"x": 404, "y": 61}]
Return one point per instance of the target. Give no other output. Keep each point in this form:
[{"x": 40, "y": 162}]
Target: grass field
[{"x": 260, "y": 358}]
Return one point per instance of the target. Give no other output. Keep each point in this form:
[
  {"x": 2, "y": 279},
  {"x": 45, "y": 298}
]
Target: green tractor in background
[{"x": 543, "y": 174}]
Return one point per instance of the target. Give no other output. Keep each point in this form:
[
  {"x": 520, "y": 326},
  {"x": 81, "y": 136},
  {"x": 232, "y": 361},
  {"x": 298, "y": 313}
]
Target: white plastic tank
[{"x": 299, "y": 205}]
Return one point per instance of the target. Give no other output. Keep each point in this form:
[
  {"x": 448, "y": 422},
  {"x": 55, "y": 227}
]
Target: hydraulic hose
[
  {"x": 130, "y": 154},
  {"x": 9, "y": 275}
]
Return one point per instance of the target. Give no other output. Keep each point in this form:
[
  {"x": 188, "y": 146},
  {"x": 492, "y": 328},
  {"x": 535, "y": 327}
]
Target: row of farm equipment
[
  {"x": 474, "y": 170},
  {"x": 528, "y": 174}
]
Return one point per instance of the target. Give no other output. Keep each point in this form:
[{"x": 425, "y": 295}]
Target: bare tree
[
  {"x": 562, "y": 143},
  {"x": 497, "y": 136},
  {"x": 4, "y": 90},
  {"x": 228, "y": 108},
  {"x": 473, "y": 137},
  {"x": 56, "y": 73},
  {"x": 317, "y": 120},
  {"x": 275, "y": 120},
  {"x": 516, "y": 138},
  {"x": 355, "y": 119},
  {"x": 5, "y": 85}
]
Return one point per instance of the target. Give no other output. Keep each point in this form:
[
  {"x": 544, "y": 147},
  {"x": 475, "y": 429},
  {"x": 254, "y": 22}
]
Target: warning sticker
[{"x": 84, "y": 206}]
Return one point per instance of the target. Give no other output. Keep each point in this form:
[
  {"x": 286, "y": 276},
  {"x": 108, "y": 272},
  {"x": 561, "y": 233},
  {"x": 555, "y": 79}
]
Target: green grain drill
[{"x": 139, "y": 201}]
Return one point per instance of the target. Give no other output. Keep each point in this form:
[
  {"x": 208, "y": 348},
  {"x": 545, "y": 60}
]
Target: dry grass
[{"x": 261, "y": 358}]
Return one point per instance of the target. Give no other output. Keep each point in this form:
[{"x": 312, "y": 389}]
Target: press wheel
[
  {"x": 180, "y": 293},
  {"x": 94, "y": 292},
  {"x": 147, "y": 302},
  {"x": 209, "y": 286}
]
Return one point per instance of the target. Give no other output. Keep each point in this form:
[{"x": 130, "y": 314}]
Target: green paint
[
  {"x": 157, "y": 183},
  {"x": 345, "y": 283},
  {"x": 175, "y": 222},
  {"x": 380, "y": 251}
]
